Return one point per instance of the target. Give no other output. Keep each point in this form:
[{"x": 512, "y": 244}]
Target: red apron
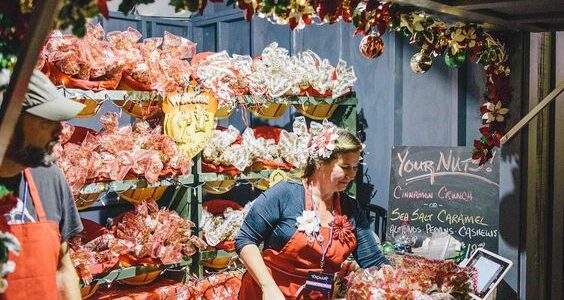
[
  {"x": 36, "y": 265},
  {"x": 290, "y": 266}
]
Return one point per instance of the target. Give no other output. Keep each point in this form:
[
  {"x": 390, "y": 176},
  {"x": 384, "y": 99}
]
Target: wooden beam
[
  {"x": 469, "y": 15},
  {"x": 41, "y": 21},
  {"x": 539, "y": 17},
  {"x": 499, "y": 4},
  {"x": 535, "y": 111}
]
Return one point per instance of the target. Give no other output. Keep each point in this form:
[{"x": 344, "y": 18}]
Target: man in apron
[{"x": 45, "y": 216}]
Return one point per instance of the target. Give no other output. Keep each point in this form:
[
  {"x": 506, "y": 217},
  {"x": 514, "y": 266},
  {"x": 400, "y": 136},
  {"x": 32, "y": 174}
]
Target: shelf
[
  {"x": 349, "y": 99},
  {"x": 124, "y": 185},
  {"x": 186, "y": 202},
  {"x": 103, "y": 95},
  {"x": 211, "y": 254},
  {"x": 207, "y": 177},
  {"x": 139, "y": 96},
  {"x": 133, "y": 271}
]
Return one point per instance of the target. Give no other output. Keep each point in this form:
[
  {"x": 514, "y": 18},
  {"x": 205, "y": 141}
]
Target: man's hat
[{"x": 45, "y": 101}]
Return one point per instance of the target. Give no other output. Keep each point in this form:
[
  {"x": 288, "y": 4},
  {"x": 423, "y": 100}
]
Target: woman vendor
[{"x": 307, "y": 227}]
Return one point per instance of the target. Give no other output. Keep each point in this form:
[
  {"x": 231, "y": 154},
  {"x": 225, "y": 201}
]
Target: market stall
[
  {"x": 176, "y": 172},
  {"x": 176, "y": 112}
]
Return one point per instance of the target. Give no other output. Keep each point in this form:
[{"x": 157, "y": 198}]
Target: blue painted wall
[{"x": 399, "y": 107}]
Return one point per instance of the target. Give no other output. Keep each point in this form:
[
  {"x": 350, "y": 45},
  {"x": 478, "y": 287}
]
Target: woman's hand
[
  {"x": 252, "y": 259},
  {"x": 272, "y": 292},
  {"x": 347, "y": 267}
]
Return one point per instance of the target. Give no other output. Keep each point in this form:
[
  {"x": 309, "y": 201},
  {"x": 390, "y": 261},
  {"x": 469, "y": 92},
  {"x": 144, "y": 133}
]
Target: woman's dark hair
[{"x": 345, "y": 142}]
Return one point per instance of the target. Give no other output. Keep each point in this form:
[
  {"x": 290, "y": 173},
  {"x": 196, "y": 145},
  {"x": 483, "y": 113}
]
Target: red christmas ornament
[{"x": 371, "y": 46}]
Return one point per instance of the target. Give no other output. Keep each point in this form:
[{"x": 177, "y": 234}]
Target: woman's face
[{"x": 341, "y": 171}]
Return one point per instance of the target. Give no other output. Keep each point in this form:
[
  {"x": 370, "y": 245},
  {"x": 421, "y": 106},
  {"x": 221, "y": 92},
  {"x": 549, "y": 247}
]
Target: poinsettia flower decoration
[
  {"x": 7, "y": 200},
  {"x": 493, "y": 112},
  {"x": 463, "y": 38},
  {"x": 413, "y": 22},
  {"x": 369, "y": 16},
  {"x": 482, "y": 151},
  {"x": 249, "y": 8},
  {"x": 491, "y": 137},
  {"x": 343, "y": 229},
  {"x": 8, "y": 242},
  {"x": 295, "y": 13},
  {"x": 483, "y": 148}
]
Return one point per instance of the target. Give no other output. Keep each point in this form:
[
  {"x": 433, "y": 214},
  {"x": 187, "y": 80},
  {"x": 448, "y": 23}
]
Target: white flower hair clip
[
  {"x": 317, "y": 142},
  {"x": 323, "y": 137}
]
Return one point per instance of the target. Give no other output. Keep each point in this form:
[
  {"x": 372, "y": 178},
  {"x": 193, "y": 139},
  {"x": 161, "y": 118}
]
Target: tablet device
[{"x": 490, "y": 268}]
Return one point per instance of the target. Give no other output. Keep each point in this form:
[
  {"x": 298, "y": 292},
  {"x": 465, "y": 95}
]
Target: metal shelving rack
[
  {"x": 188, "y": 196},
  {"x": 128, "y": 272}
]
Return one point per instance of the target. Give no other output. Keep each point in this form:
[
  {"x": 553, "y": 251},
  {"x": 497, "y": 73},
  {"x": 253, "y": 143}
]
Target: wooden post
[
  {"x": 41, "y": 21},
  {"x": 538, "y": 205}
]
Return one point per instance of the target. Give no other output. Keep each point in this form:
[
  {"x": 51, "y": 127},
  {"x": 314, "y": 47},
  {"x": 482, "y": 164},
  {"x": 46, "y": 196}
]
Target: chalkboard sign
[{"x": 443, "y": 189}]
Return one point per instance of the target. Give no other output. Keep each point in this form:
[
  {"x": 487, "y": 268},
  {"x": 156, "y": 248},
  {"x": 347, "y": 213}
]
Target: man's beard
[
  {"x": 33, "y": 157},
  {"x": 29, "y": 156}
]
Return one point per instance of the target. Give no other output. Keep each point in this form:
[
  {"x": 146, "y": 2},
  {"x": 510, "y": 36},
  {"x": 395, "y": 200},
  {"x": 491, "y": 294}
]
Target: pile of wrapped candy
[
  {"x": 96, "y": 250},
  {"x": 224, "y": 148},
  {"x": 273, "y": 74},
  {"x": 89, "y": 58},
  {"x": 114, "y": 153},
  {"x": 223, "y": 75},
  {"x": 161, "y": 64},
  {"x": 280, "y": 149},
  {"x": 145, "y": 234},
  {"x": 157, "y": 233},
  {"x": 224, "y": 286},
  {"x": 412, "y": 277},
  {"x": 220, "y": 227},
  {"x": 162, "y": 288},
  {"x": 221, "y": 286},
  {"x": 154, "y": 64},
  {"x": 294, "y": 146},
  {"x": 228, "y": 148}
]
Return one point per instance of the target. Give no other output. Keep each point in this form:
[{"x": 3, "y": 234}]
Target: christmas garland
[{"x": 458, "y": 42}]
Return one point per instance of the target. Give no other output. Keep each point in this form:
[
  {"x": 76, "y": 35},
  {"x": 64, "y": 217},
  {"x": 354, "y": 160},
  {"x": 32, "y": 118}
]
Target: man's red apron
[
  {"x": 290, "y": 266},
  {"x": 36, "y": 265}
]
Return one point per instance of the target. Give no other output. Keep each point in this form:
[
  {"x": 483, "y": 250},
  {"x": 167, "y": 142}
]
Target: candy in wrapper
[
  {"x": 177, "y": 47},
  {"x": 116, "y": 152},
  {"x": 411, "y": 278}
]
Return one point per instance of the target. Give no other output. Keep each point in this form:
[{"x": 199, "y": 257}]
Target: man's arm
[{"x": 67, "y": 280}]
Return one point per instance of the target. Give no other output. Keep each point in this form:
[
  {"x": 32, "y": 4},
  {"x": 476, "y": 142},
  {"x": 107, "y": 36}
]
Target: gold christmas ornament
[{"x": 420, "y": 63}]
